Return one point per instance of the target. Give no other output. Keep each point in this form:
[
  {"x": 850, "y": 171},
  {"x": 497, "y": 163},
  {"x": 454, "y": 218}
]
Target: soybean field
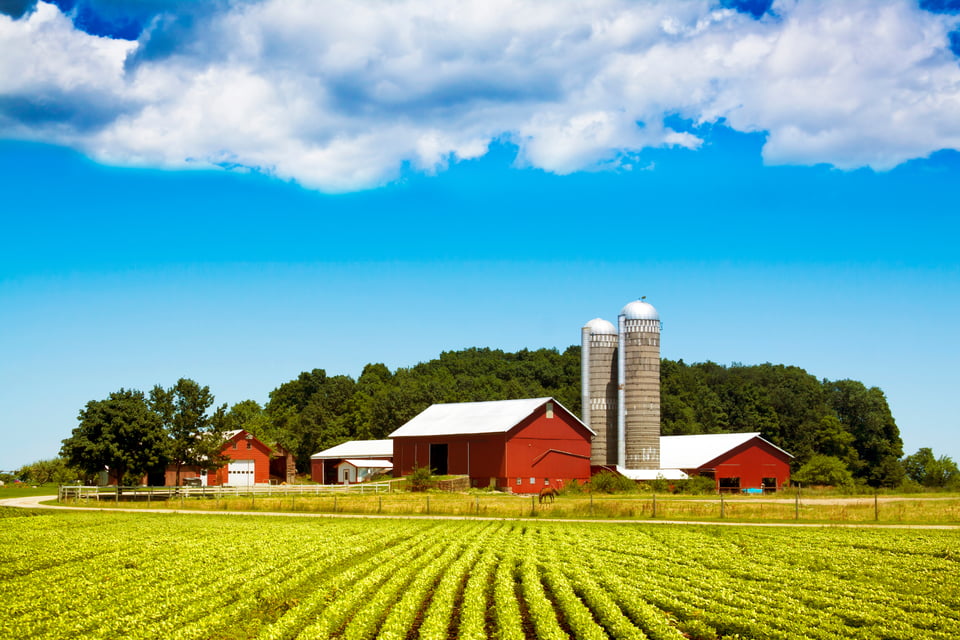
[{"x": 176, "y": 576}]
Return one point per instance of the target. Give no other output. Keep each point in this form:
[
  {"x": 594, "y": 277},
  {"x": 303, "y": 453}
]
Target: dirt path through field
[{"x": 34, "y": 502}]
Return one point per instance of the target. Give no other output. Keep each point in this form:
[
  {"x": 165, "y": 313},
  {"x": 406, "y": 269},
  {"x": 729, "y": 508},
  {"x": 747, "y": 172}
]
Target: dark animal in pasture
[{"x": 548, "y": 492}]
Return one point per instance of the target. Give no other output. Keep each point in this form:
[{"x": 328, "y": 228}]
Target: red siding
[
  {"x": 751, "y": 462},
  {"x": 257, "y": 451},
  {"x": 554, "y": 450}
]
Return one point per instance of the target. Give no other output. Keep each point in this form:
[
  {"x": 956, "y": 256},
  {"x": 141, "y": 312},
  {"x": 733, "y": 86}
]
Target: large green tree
[
  {"x": 926, "y": 469},
  {"x": 120, "y": 434},
  {"x": 194, "y": 436}
]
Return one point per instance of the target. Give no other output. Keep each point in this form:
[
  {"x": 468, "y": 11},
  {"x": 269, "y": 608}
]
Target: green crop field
[{"x": 171, "y": 576}]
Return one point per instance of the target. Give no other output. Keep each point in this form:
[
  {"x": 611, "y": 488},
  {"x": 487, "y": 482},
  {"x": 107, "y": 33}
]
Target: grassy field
[
  {"x": 177, "y": 576},
  {"x": 24, "y": 490},
  {"x": 785, "y": 509}
]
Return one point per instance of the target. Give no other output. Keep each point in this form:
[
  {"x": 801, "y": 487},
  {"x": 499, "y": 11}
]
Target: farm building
[
  {"x": 251, "y": 462},
  {"x": 351, "y": 471},
  {"x": 736, "y": 461},
  {"x": 323, "y": 465},
  {"x": 517, "y": 445}
]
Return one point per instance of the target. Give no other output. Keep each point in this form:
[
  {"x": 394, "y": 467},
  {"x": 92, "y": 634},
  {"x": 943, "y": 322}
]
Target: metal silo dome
[
  {"x": 640, "y": 310},
  {"x": 599, "y": 326}
]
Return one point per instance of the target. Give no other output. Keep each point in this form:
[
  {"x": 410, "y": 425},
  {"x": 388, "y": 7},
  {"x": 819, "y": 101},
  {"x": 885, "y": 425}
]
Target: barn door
[
  {"x": 240, "y": 473},
  {"x": 438, "y": 459}
]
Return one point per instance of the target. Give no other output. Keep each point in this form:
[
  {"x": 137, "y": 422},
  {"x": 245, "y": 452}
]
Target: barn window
[
  {"x": 729, "y": 484},
  {"x": 234, "y": 444},
  {"x": 519, "y": 481},
  {"x": 249, "y": 446},
  {"x": 533, "y": 481},
  {"x": 549, "y": 410},
  {"x": 546, "y": 481}
]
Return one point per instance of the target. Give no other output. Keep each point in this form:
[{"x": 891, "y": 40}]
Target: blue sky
[{"x": 232, "y": 197}]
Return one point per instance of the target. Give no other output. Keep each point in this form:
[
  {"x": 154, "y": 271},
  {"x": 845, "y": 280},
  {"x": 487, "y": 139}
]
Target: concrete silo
[
  {"x": 598, "y": 363},
  {"x": 638, "y": 444}
]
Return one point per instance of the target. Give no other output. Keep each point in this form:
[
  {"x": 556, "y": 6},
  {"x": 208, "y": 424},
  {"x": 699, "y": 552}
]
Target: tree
[
  {"x": 54, "y": 470},
  {"x": 926, "y": 469},
  {"x": 864, "y": 413},
  {"x": 194, "y": 439},
  {"x": 120, "y": 434},
  {"x": 824, "y": 470}
]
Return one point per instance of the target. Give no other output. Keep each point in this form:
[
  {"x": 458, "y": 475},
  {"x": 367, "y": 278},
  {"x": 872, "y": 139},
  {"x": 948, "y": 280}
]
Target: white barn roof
[
  {"x": 692, "y": 452},
  {"x": 464, "y": 418},
  {"x": 357, "y": 449}
]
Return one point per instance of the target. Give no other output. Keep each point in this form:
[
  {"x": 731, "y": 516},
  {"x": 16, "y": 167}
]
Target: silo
[
  {"x": 598, "y": 369},
  {"x": 639, "y": 387}
]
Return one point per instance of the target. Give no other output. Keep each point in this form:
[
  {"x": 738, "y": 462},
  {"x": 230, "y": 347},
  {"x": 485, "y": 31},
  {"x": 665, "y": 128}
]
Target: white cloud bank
[{"x": 340, "y": 95}]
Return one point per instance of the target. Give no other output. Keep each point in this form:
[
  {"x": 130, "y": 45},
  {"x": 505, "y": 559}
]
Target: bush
[
  {"x": 421, "y": 479},
  {"x": 609, "y": 482},
  {"x": 824, "y": 471},
  {"x": 697, "y": 485}
]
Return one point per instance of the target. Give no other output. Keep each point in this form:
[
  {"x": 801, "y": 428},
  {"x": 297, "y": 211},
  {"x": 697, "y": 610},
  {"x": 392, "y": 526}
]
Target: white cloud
[{"x": 341, "y": 95}]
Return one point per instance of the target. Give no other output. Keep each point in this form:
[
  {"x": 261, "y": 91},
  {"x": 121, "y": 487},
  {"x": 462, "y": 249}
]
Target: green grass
[{"x": 25, "y": 490}]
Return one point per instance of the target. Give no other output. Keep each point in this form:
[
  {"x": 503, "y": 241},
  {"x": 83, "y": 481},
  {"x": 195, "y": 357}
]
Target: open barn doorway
[{"x": 438, "y": 459}]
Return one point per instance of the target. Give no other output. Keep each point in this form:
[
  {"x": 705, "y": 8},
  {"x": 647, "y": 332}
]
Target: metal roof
[
  {"x": 368, "y": 463},
  {"x": 640, "y": 310},
  {"x": 601, "y": 326},
  {"x": 464, "y": 418},
  {"x": 652, "y": 474},
  {"x": 692, "y": 452},
  {"x": 357, "y": 449}
]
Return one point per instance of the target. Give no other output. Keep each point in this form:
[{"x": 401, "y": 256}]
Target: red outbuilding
[
  {"x": 250, "y": 462},
  {"x": 738, "y": 462},
  {"x": 520, "y": 445}
]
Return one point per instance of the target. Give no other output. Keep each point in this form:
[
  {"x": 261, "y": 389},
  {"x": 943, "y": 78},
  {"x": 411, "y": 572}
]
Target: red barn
[
  {"x": 251, "y": 462},
  {"x": 520, "y": 445},
  {"x": 737, "y": 461}
]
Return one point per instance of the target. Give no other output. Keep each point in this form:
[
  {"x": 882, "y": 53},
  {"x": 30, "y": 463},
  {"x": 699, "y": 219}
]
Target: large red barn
[{"x": 520, "y": 445}]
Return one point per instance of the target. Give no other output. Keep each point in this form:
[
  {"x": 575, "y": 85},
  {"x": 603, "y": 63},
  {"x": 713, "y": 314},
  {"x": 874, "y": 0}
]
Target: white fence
[{"x": 86, "y": 493}]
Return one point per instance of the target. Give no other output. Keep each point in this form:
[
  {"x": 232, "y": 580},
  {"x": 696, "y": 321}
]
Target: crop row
[{"x": 114, "y": 575}]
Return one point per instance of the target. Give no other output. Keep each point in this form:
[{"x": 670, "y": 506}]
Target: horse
[{"x": 548, "y": 492}]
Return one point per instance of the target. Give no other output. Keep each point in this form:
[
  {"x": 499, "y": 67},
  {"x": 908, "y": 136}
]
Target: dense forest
[{"x": 842, "y": 420}]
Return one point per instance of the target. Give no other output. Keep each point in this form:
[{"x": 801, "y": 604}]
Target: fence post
[
  {"x": 723, "y": 507},
  {"x": 428, "y": 503},
  {"x": 876, "y": 505},
  {"x": 533, "y": 506},
  {"x": 796, "y": 505},
  {"x": 591, "y": 504},
  {"x": 654, "y": 506}
]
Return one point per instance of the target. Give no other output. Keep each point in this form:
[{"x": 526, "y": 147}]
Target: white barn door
[{"x": 240, "y": 473}]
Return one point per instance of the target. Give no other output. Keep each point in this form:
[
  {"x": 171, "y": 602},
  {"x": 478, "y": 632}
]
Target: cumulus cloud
[{"x": 341, "y": 95}]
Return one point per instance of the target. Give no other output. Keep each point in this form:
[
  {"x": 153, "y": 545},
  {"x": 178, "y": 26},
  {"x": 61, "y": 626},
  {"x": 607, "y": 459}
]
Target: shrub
[
  {"x": 609, "y": 482},
  {"x": 697, "y": 485},
  {"x": 421, "y": 479}
]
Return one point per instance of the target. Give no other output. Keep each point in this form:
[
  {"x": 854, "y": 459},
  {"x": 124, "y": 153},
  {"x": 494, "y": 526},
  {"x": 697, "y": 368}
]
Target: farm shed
[
  {"x": 251, "y": 462},
  {"x": 353, "y": 471},
  {"x": 323, "y": 465},
  {"x": 520, "y": 445},
  {"x": 736, "y": 461}
]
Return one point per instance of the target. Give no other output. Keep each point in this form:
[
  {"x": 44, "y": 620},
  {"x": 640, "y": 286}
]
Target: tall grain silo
[
  {"x": 598, "y": 369},
  {"x": 639, "y": 387}
]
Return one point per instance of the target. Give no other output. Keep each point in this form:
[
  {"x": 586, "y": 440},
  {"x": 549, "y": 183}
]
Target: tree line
[{"x": 840, "y": 432}]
